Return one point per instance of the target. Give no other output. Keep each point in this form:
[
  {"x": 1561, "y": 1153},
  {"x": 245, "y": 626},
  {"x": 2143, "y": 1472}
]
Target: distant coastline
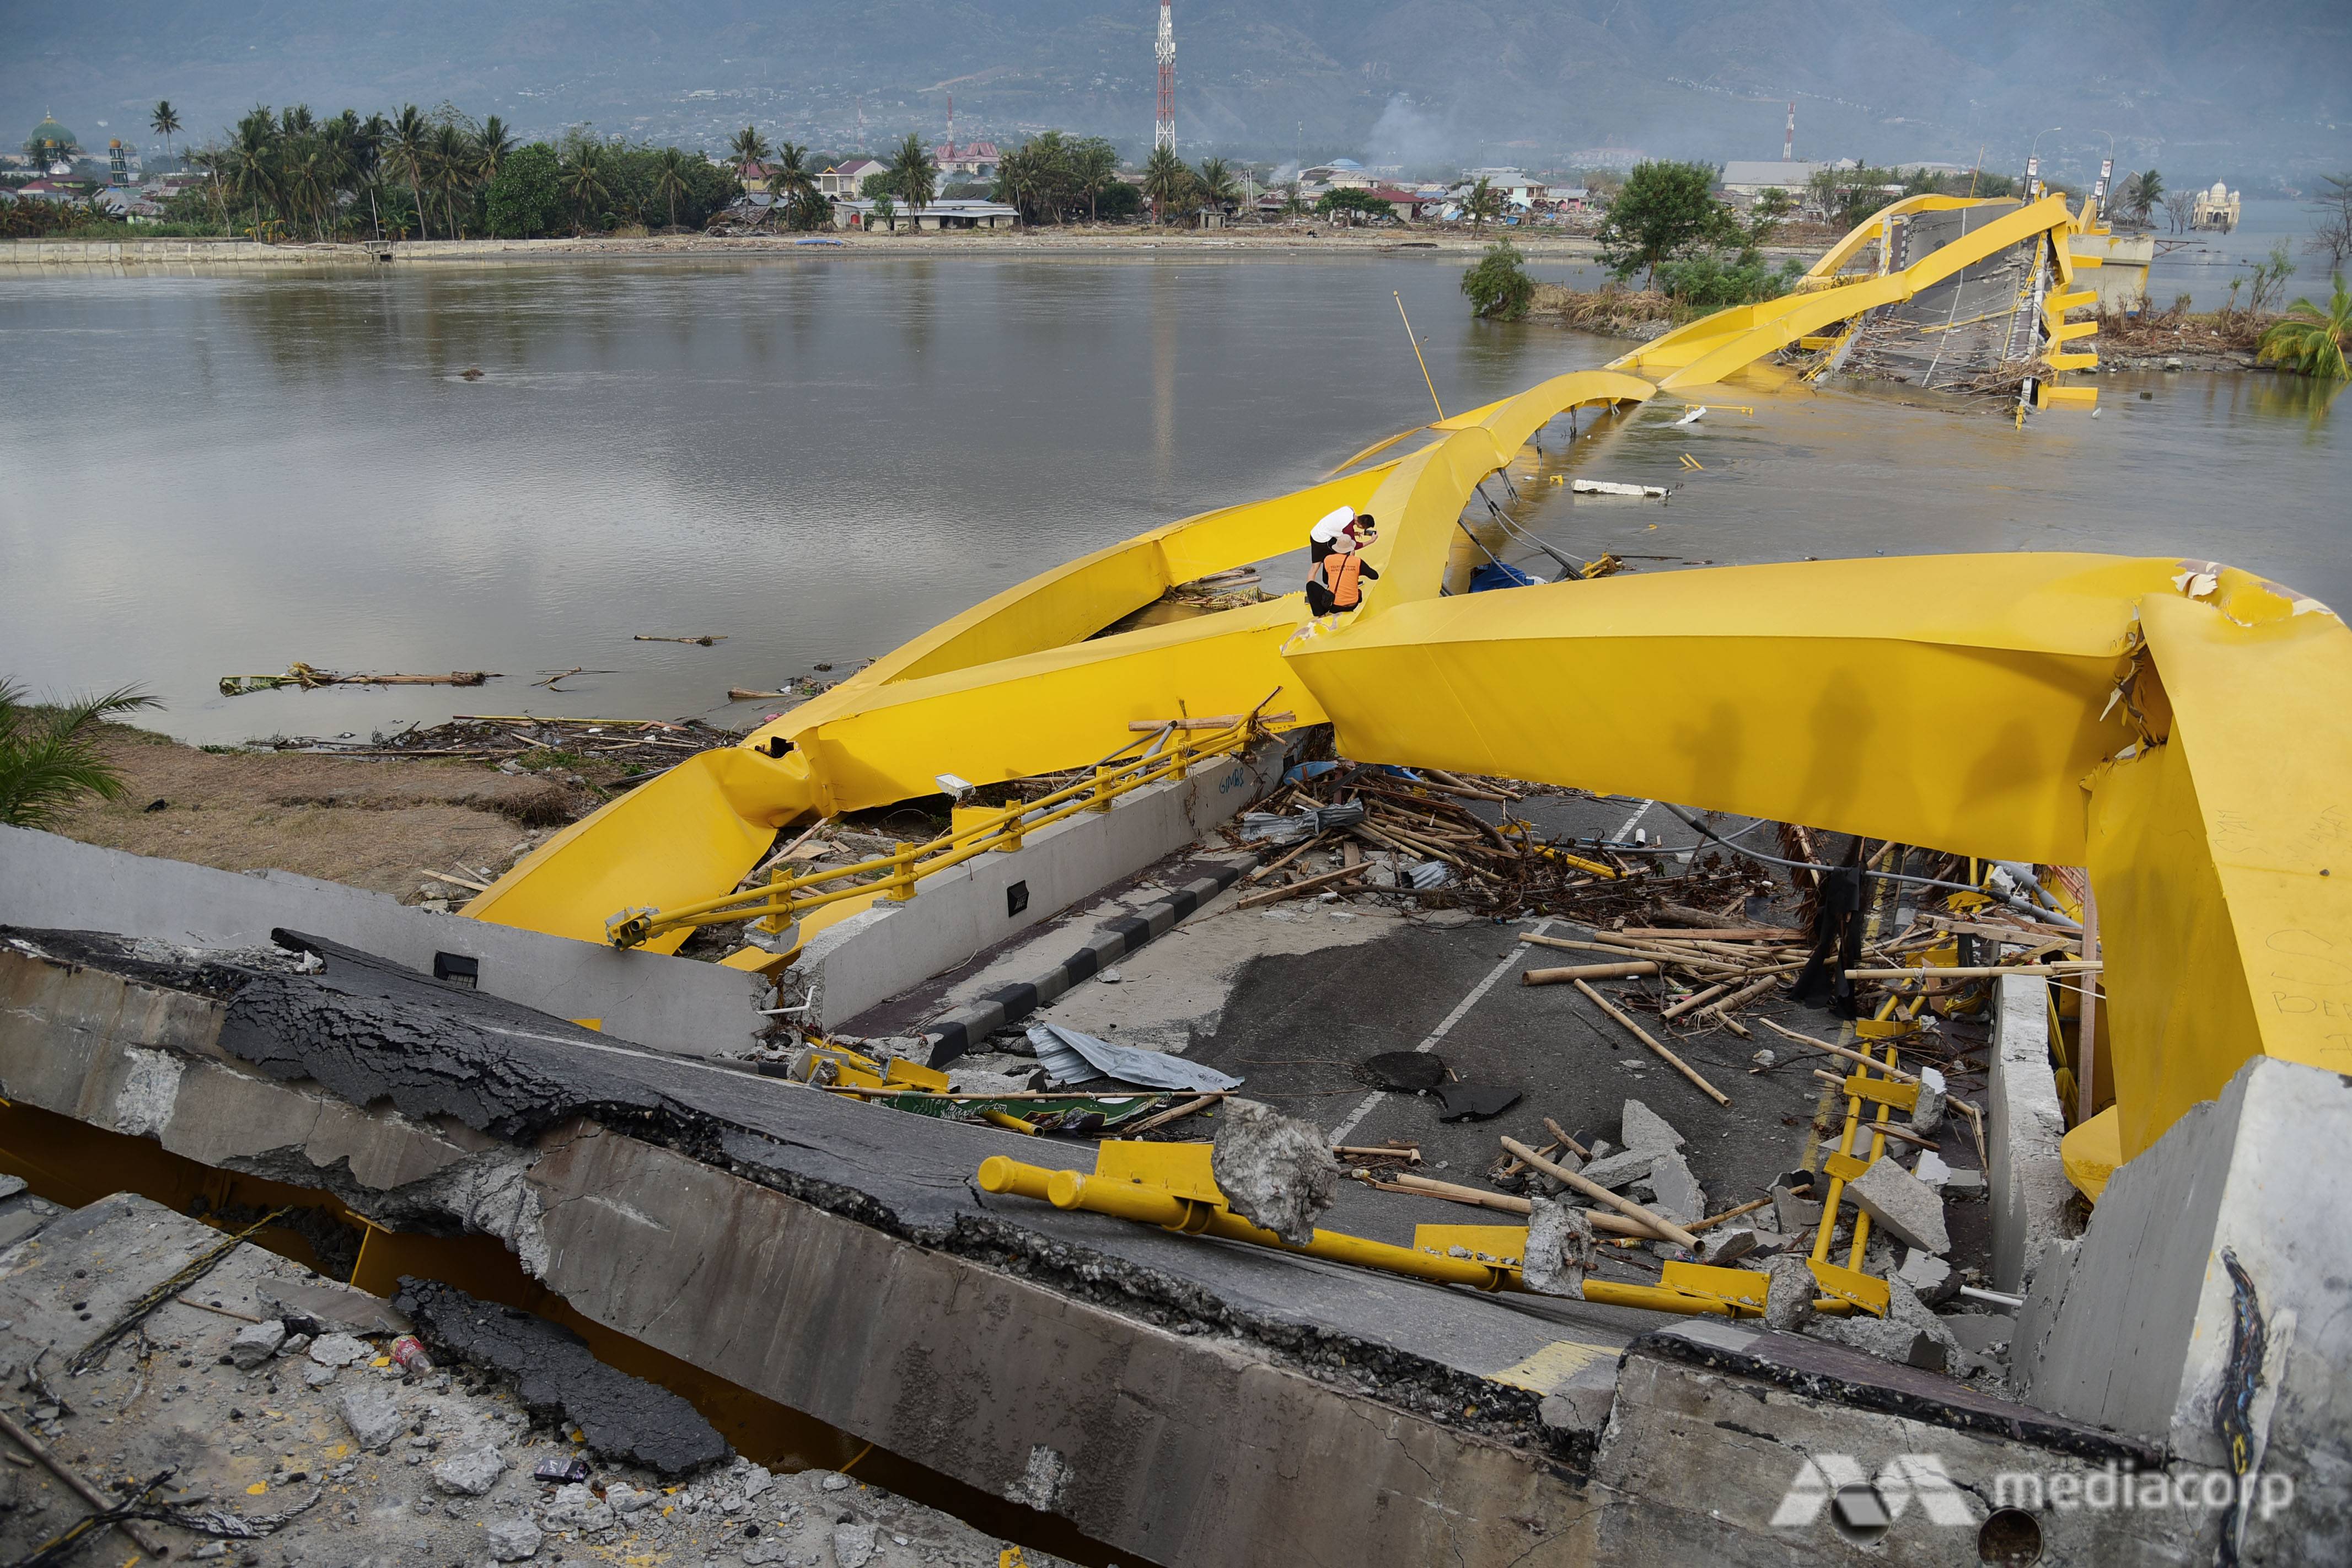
[{"x": 244, "y": 255}]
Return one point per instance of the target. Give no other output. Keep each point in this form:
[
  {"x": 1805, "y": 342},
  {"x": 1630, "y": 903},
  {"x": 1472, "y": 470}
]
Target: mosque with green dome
[{"x": 51, "y": 143}]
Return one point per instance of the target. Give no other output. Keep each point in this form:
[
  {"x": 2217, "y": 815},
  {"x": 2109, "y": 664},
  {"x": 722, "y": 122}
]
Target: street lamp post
[{"x": 2033, "y": 161}]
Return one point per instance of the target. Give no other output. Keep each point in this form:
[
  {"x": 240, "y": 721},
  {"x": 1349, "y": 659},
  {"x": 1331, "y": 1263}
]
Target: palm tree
[
  {"x": 166, "y": 123},
  {"x": 669, "y": 179},
  {"x": 450, "y": 161},
  {"x": 582, "y": 180},
  {"x": 492, "y": 144},
  {"x": 411, "y": 142},
  {"x": 1166, "y": 181},
  {"x": 1484, "y": 203},
  {"x": 750, "y": 147},
  {"x": 48, "y": 757},
  {"x": 790, "y": 174},
  {"x": 1094, "y": 165},
  {"x": 2141, "y": 193},
  {"x": 251, "y": 162},
  {"x": 2312, "y": 339},
  {"x": 1217, "y": 187},
  {"x": 914, "y": 178}
]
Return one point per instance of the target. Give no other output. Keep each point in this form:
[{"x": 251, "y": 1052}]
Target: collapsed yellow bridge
[{"x": 2176, "y": 727}]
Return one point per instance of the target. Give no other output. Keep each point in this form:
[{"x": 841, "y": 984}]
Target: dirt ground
[{"x": 379, "y": 824}]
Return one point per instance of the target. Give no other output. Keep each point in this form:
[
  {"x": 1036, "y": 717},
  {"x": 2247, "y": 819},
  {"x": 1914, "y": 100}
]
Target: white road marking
[{"x": 1444, "y": 1027}]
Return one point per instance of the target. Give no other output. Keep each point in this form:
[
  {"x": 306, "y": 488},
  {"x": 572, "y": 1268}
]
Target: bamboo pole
[
  {"x": 1642, "y": 1035},
  {"x": 1667, "y": 1229},
  {"x": 1587, "y": 971}
]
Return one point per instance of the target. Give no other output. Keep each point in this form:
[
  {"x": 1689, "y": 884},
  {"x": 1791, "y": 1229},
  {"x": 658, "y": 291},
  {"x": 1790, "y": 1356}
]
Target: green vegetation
[
  {"x": 1167, "y": 183},
  {"x": 526, "y": 195},
  {"x": 2138, "y": 194},
  {"x": 1484, "y": 205},
  {"x": 2312, "y": 339},
  {"x": 1053, "y": 178},
  {"x": 418, "y": 174},
  {"x": 1712, "y": 281},
  {"x": 1498, "y": 287},
  {"x": 914, "y": 178},
  {"x": 1359, "y": 206},
  {"x": 50, "y": 756},
  {"x": 164, "y": 121},
  {"x": 1665, "y": 212}
]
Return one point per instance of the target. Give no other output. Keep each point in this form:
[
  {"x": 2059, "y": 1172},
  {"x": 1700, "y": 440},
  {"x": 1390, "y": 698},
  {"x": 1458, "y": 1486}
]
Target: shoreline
[{"x": 1192, "y": 243}]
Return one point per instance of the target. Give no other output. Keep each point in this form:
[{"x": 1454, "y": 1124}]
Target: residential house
[{"x": 848, "y": 178}]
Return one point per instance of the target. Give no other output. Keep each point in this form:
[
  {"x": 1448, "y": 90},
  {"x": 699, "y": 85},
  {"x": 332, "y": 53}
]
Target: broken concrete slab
[
  {"x": 470, "y": 1474},
  {"x": 2024, "y": 1125},
  {"x": 1906, "y": 1207},
  {"x": 1676, "y": 1192},
  {"x": 255, "y": 1343},
  {"x": 512, "y": 1540},
  {"x": 373, "y": 1417},
  {"x": 556, "y": 1376},
  {"x": 1903, "y": 1344},
  {"x": 1619, "y": 1171},
  {"x": 2203, "y": 1307},
  {"x": 1789, "y": 1298},
  {"x": 1927, "y": 1109},
  {"x": 1276, "y": 1170},
  {"x": 1558, "y": 1248},
  {"x": 1643, "y": 1128},
  {"x": 1929, "y": 1276},
  {"x": 1727, "y": 1245}
]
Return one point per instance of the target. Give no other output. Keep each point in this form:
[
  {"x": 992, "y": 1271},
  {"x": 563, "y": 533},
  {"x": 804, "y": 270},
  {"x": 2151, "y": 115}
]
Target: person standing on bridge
[{"x": 1334, "y": 583}]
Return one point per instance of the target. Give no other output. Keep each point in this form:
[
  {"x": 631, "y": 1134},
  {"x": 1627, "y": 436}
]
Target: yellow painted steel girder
[
  {"x": 1700, "y": 353},
  {"x": 1810, "y": 692},
  {"x": 1824, "y": 692},
  {"x": 696, "y": 830},
  {"x": 2222, "y": 858},
  {"x": 1874, "y": 227}
]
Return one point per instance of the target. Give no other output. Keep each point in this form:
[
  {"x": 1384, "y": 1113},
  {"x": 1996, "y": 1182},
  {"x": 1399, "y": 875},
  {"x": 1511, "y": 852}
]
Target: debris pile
[
  {"x": 530, "y": 740},
  {"x": 1396, "y": 831}
]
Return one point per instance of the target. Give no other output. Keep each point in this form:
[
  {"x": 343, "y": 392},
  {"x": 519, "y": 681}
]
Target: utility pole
[
  {"x": 950, "y": 152},
  {"x": 1163, "y": 128}
]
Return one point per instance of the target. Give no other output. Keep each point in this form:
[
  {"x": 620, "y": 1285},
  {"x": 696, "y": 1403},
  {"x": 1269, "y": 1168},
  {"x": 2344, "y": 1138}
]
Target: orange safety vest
[{"x": 1341, "y": 572}]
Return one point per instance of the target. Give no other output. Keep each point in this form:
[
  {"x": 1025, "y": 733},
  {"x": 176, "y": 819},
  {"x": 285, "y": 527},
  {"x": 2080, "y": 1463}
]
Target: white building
[
  {"x": 959, "y": 213},
  {"x": 1753, "y": 179},
  {"x": 2216, "y": 208}
]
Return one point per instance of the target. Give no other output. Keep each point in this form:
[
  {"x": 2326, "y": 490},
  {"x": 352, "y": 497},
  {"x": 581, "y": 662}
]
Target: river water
[{"x": 818, "y": 456}]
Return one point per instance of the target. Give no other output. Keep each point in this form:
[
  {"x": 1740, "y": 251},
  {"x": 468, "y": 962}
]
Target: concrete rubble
[{"x": 380, "y": 1469}]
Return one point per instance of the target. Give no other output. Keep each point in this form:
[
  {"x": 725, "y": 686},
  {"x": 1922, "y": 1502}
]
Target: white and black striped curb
[{"x": 961, "y": 1030}]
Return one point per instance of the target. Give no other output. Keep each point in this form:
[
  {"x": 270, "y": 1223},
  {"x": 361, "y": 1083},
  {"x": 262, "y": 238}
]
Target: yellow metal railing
[{"x": 1170, "y": 751}]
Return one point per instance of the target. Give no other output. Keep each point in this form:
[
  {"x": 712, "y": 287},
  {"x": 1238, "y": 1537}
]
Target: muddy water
[{"x": 820, "y": 456}]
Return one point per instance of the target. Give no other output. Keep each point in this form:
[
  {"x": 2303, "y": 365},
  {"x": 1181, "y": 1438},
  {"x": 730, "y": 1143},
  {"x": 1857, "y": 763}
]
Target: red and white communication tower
[{"x": 1163, "y": 130}]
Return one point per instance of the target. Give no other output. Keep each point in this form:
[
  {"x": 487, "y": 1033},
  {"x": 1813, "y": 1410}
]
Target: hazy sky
[{"x": 2203, "y": 89}]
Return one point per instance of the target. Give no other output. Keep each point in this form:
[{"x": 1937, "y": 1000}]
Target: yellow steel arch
[
  {"x": 2206, "y": 803},
  {"x": 1874, "y": 227},
  {"x": 1808, "y": 312},
  {"x": 1016, "y": 686}
]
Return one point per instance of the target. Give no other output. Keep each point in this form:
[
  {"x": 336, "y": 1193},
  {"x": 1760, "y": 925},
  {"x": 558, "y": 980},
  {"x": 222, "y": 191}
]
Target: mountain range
[{"x": 2206, "y": 90}]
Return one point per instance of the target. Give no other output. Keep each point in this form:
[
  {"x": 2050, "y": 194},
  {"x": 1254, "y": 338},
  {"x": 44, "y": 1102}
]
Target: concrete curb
[{"x": 961, "y": 1030}]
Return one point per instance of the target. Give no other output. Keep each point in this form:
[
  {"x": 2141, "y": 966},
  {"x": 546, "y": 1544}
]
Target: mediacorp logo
[{"x": 1836, "y": 1485}]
